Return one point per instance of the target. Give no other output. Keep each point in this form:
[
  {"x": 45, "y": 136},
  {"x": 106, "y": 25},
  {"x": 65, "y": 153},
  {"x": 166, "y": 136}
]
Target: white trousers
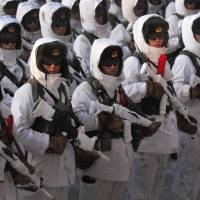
[
  {"x": 188, "y": 164},
  {"x": 148, "y": 176},
  {"x": 102, "y": 190},
  {"x": 60, "y": 193},
  {"x": 7, "y": 188}
]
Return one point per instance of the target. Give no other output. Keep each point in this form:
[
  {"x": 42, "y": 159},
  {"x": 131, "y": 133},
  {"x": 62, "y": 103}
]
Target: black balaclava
[
  {"x": 11, "y": 33},
  {"x": 62, "y": 18},
  {"x": 155, "y": 27}
]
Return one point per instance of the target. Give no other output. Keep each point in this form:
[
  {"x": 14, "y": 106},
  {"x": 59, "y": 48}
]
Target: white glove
[
  {"x": 42, "y": 109},
  {"x": 87, "y": 143},
  {"x": 131, "y": 116},
  {"x": 96, "y": 108}
]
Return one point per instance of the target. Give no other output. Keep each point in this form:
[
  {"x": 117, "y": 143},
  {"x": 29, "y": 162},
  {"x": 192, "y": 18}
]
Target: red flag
[
  {"x": 9, "y": 122},
  {"x": 161, "y": 64}
]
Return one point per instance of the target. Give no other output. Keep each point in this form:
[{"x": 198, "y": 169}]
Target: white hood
[
  {"x": 22, "y": 10},
  {"x": 25, "y": 7},
  {"x": 45, "y": 15},
  {"x": 8, "y": 56},
  {"x": 51, "y": 81},
  {"x": 110, "y": 83},
  {"x": 116, "y": 10},
  {"x": 68, "y": 3},
  {"x": 120, "y": 35},
  {"x": 182, "y": 10},
  {"x": 152, "y": 53},
  {"x": 189, "y": 41},
  {"x": 127, "y": 10},
  {"x": 87, "y": 13}
]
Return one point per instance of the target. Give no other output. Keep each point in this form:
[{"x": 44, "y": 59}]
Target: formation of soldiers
[{"x": 99, "y": 95}]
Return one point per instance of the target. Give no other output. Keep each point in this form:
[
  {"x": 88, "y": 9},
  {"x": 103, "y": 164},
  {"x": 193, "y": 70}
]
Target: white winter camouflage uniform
[
  {"x": 58, "y": 171},
  {"x": 151, "y": 158},
  {"x": 183, "y": 71},
  {"x": 111, "y": 177}
]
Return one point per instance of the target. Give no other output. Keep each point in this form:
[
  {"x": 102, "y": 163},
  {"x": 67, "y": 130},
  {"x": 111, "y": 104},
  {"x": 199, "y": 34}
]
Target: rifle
[{"x": 6, "y": 154}]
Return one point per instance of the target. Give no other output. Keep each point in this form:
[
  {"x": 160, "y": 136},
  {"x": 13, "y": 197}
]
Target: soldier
[
  {"x": 14, "y": 72},
  {"x": 75, "y": 16},
  {"x": 39, "y": 111},
  {"x": 102, "y": 179},
  {"x": 28, "y": 16},
  {"x": 94, "y": 19},
  {"x": 186, "y": 83},
  {"x": 8, "y": 7},
  {"x": 150, "y": 161}
]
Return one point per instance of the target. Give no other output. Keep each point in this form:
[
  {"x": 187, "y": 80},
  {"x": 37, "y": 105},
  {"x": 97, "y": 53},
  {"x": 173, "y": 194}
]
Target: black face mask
[
  {"x": 11, "y": 7},
  {"x": 101, "y": 13},
  {"x": 141, "y": 8}
]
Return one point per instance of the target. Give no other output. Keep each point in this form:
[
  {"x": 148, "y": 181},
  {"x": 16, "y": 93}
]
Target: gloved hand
[
  {"x": 57, "y": 144},
  {"x": 150, "y": 130},
  {"x": 154, "y": 89},
  {"x": 195, "y": 92},
  {"x": 109, "y": 121}
]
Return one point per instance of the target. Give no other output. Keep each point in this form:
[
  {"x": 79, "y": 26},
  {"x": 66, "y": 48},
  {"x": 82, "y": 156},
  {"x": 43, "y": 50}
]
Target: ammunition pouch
[
  {"x": 150, "y": 105},
  {"x": 42, "y": 125},
  {"x": 184, "y": 125}
]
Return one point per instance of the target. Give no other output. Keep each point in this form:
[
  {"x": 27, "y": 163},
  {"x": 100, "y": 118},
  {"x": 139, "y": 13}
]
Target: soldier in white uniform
[
  {"x": 37, "y": 114},
  {"x": 75, "y": 16},
  {"x": 103, "y": 179},
  {"x": 150, "y": 161},
  {"x": 28, "y": 16},
  {"x": 94, "y": 19},
  {"x": 186, "y": 83},
  {"x": 14, "y": 72}
]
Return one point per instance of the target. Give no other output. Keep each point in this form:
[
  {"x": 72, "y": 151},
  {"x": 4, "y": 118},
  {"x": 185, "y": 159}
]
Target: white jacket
[
  {"x": 183, "y": 69},
  {"x": 166, "y": 140},
  {"x": 121, "y": 155},
  {"x": 57, "y": 170}
]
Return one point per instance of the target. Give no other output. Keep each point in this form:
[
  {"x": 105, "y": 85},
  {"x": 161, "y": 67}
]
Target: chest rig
[{"x": 42, "y": 125}]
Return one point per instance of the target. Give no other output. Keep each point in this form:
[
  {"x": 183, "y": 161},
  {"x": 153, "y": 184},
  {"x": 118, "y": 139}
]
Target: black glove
[
  {"x": 109, "y": 121},
  {"x": 154, "y": 89},
  {"x": 195, "y": 91}
]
